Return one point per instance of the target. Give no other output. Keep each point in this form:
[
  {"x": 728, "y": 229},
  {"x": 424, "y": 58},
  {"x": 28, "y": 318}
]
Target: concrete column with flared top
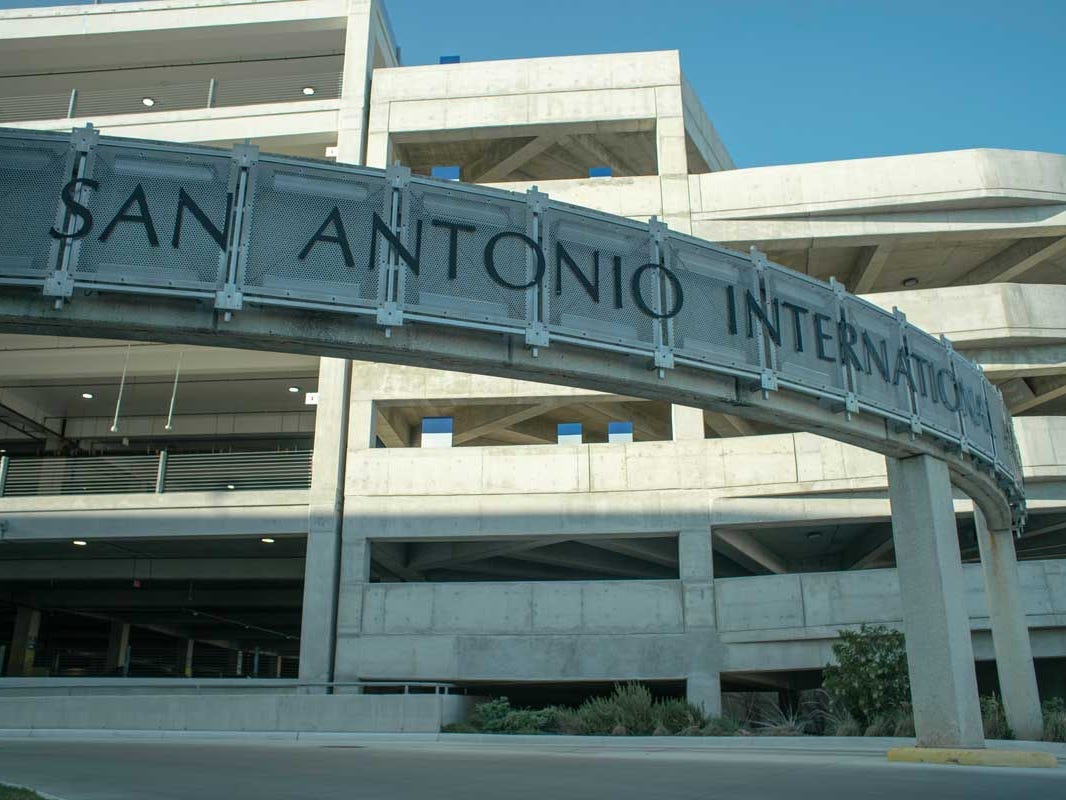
[
  {"x": 1010, "y": 632},
  {"x": 703, "y": 683},
  {"x": 935, "y": 623}
]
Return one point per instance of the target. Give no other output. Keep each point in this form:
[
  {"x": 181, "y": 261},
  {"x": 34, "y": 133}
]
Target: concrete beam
[
  {"x": 748, "y": 552},
  {"x": 130, "y": 599},
  {"x": 515, "y": 160},
  {"x": 170, "y": 569},
  {"x": 393, "y": 557},
  {"x": 1015, "y": 260},
  {"x": 727, "y": 425},
  {"x": 391, "y": 431},
  {"x": 656, "y": 551},
  {"x": 474, "y": 423},
  {"x": 1023, "y": 395},
  {"x": 437, "y": 555},
  {"x": 573, "y": 555},
  {"x": 868, "y": 265}
]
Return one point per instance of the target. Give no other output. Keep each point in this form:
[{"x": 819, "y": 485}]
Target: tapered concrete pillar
[
  {"x": 935, "y": 623},
  {"x": 185, "y": 650},
  {"x": 23, "y": 642},
  {"x": 325, "y": 510},
  {"x": 118, "y": 641},
  {"x": 1010, "y": 630},
  {"x": 703, "y": 682},
  {"x": 686, "y": 423}
]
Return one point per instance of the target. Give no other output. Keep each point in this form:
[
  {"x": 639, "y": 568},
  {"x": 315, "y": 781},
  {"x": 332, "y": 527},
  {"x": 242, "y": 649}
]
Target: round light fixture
[
  {"x": 87, "y": 395},
  {"x": 147, "y": 101},
  {"x": 267, "y": 540},
  {"x": 909, "y": 282},
  {"x": 79, "y": 543},
  {"x": 309, "y": 90},
  {"x": 294, "y": 390},
  {"x": 230, "y": 486}
]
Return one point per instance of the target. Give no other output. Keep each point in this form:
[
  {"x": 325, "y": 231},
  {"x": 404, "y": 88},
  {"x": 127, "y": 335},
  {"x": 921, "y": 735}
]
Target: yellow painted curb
[{"x": 973, "y": 758}]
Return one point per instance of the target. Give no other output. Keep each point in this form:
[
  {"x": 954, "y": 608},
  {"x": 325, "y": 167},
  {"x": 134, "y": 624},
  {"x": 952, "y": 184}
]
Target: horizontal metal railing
[
  {"x": 165, "y": 472},
  {"x": 210, "y": 93}
]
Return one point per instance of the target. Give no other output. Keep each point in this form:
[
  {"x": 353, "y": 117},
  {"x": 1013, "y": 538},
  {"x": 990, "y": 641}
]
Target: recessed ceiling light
[
  {"x": 79, "y": 542},
  {"x": 230, "y": 486},
  {"x": 309, "y": 90},
  {"x": 909, "y": 282},
  {"x": 267, "y": 540},
  {"x": 294, "y": 389},
  {"x": 147, "y": 101},
  {"x": 87, "y": 395}
]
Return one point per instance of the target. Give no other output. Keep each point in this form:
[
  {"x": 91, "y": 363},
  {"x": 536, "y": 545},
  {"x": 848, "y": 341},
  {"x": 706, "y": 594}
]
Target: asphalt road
[{"x": 175, "y": 770}]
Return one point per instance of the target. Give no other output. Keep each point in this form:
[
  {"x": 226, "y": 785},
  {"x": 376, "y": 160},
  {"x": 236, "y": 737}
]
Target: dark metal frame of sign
[{"x": 243, "y": 230}]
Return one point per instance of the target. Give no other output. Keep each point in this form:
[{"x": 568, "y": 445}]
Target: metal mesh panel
[
  {"x": 127, "y": 257},
  {"x": 94, "y": 475},
  {"x": 586, "y": 238},
  {"x": 804, "y": 366},
  {"x": 975, "y": 415},
  {"x": 473, "y": 295},
  {"x": 882, "y": 341},
  {"x": 1003, "y": 431},
  {"x": 291, "y": 203},
  {"x": 933, "y": 414},
  {"x": 207, "y": 472},
  {"x": 701, "y": 328},
  {"x": 32, "y": 174}
]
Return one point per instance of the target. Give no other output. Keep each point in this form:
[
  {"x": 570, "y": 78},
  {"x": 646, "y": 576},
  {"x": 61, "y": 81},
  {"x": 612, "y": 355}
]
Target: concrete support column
[
  {"x": 118, "y": 641},
  {"x": 355, "y": 82},
  {"x": 935, "y": 623},
  {"x": 672, "y": 156},
  {"x": 23, "y": 642},
  {"x": 703, "y": 683},
  {"x": 326, "y": 504},
  {"x": 1010, "y": 631},
  {"x": 686, "y": 422}
]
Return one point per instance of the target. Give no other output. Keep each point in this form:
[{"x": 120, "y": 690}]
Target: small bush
[
  {"x": 994, "y": 719},
  {"x": 569, "y": 722},
  {"x": 1055, "y": 726},
  {"x": 497, "y": 716},
  {"x": 843, "y": 724},
  {"x": 783, "y": 723},
  {"x": 905, "y": 722},
  {"x": 677, "y": 715},
  {"x": 720, "y": 726},
  {"x": 870, "y": 678},
  {"x": 458, "y": 727}
]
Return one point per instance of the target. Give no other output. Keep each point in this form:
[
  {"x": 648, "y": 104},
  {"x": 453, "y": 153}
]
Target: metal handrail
[{"x": 164, "y": 472}]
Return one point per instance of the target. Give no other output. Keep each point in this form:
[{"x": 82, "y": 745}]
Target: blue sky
[
  {"x": 807, "y": 80},
  {"x": 797, "y": 81}
]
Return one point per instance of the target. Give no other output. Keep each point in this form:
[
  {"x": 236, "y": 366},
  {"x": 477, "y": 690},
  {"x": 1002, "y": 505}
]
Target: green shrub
[
  {"x": 905, "y": 722},
  {"x": 842, "y": 724},
  {"x": 458, "y": 727},
  {"x": 720, "y": 726},
  {"x": 994, "y": 719},
  {"x": 1055, "y": 726},
  {"x": 869, "y": 680},
  {"x": 778, "y": 722},
  {"x": 677, "y": 715},
  {"x": 497, "y": 716}
]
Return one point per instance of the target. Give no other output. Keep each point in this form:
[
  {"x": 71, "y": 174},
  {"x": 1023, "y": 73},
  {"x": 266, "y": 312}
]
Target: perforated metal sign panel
[
  {"x": 159, "y": 219},
  {"x": 453, "y": 281},
  {"x": 310, "y": 234},
  {"x": 32, "y": 174},
  {"x": 592, "y": 262},
  {"x": 879, "y": 341},
  {"x": 708, "y": 328},
  {"x": 930, "y": 370}
]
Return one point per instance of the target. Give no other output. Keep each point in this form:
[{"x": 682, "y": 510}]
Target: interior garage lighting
[
  {"x": 147, "y": 101},
  {"x": 309, "y": 90},
  {"x": 267, "y": 540},
  {"x": 909, "y": 282},
  {"x": 79, "y": 543},
  {"x": 230, "y": 486},
  {"x": 87, "y": 395},
  {"x": 294, "y": 390}
]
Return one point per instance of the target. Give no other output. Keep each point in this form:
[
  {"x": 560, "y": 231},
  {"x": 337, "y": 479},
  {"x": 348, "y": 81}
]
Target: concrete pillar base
[{"x": 705, "y": 690}]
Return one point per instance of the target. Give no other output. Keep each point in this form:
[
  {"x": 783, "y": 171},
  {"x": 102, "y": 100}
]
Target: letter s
[{"x": 77, "y": 209}]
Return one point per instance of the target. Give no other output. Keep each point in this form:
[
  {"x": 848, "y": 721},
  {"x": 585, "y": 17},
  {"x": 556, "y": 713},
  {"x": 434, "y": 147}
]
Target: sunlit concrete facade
[{"x": 710, "y": 552}]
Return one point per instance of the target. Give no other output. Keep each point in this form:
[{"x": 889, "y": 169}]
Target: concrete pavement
[{"x": 387, "y": 768}]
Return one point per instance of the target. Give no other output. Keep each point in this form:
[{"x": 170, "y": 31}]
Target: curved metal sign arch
[{"x": 167, "y": 242}]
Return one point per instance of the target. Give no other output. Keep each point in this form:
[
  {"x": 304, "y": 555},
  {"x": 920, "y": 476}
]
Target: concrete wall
[{"x": 364, "y": 713}]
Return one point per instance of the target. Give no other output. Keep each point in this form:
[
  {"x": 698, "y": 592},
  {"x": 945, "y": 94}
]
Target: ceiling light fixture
[
  {"x": 909, "y": 282},
  {"x": 87, "y": 395},
  {"x": 267, "y": 540},
  {"x": 147, "y": 101},
  {"x": 294, "y": 389},
  {"x": 309, "y": 90},
  {"x": 814, "y": 536},
  {"x": 79, "y": 543},
  {"x": 230, "y": 486}
]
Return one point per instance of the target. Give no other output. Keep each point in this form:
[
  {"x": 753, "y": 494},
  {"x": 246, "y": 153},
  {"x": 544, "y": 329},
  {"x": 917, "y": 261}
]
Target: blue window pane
[
  {"x": 569, "y": 429},
  {"x": 449, "y": 59},
  {"x": 619, "y": 427},
  {"x": 445, "y": 173},
  {"x": 436, "y": 425},
  {"x": 599, "y": 172}
]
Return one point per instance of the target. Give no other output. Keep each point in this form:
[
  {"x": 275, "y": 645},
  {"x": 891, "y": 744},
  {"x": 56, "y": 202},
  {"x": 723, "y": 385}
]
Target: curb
[{"x": 973, "y": 758}]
